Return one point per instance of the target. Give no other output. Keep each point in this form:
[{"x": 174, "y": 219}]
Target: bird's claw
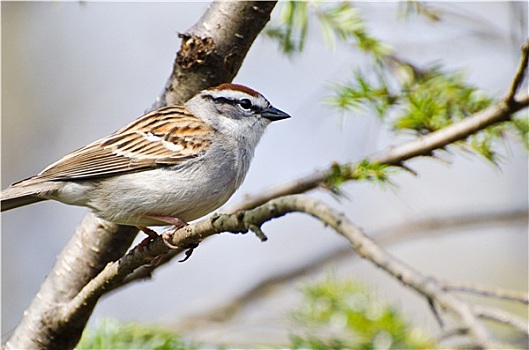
[{"x": 188, "y": 253}]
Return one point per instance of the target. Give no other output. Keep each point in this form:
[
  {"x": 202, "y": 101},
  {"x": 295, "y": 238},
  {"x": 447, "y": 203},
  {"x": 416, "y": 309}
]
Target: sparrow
[{"x": 174, "y": 164}]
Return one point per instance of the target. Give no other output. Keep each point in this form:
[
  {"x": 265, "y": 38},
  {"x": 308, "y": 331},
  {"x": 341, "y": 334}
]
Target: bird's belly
[{"x": 161, "y": 192}]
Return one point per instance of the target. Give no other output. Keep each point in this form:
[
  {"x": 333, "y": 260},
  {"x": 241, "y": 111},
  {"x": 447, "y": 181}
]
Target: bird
[{"x": 174, "y": 164}]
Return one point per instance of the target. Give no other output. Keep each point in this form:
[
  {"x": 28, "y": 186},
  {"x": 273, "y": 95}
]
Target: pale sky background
[{"x": 74, "y": 72}]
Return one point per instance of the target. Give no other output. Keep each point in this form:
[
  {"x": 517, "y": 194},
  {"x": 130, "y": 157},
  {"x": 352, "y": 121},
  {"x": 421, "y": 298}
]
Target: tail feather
[
  {"x": 12, "y": 203},
  {"x": 19, "y": 195}
]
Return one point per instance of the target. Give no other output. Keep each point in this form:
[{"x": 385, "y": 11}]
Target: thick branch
[{"x": 79, "y": 262}]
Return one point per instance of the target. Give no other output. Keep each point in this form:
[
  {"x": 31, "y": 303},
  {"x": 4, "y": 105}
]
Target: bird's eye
[{"x": 245, "y": 103}]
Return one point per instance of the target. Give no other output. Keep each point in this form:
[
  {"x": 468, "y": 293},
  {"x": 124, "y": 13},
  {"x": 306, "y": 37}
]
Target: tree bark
[{"x": 94, "y": 243}]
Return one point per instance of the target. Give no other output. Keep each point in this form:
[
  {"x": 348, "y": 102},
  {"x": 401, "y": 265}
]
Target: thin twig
[
  {"x": 500, "y": 316},
  {"x": 520, "y": 74},
  {"x": 487, "y": 291},
  {"x": 455, "y": 332},
  {"x": 436, "y": 313}
]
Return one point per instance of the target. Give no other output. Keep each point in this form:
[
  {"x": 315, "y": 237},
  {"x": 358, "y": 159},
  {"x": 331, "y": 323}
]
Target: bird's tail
[{"x": 19, "y": 195}]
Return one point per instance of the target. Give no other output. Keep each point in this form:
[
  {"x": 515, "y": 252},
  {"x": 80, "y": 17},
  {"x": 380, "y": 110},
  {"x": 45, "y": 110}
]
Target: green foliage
[
  {"x": 424, "y": 100},
  {"x": 520, "y": 125},
  {"x": 292, "y": 32},
  {"x": 344, "y": 315},
  {"x": 487, "y": 142},
  {"x": 339, "y": 21},
  {"x": 419, "y": 8},
  {"x": 360, "y": 94},
  {"x": 410, "y": 99},
  {"x": 362, "y": 171},
  {"x": 435, "y": 100},
  {"x": 343, "y": 22},
  {"x": 481, "y": 143},
  {"x": 115, "y": 335}
]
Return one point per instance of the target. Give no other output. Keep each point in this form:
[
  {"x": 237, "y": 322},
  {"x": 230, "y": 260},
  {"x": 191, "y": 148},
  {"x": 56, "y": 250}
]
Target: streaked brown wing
[{"x": 166, "y": 136}]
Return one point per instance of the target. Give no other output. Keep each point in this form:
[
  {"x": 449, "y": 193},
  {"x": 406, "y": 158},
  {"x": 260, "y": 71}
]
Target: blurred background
[{"x": 74, "y": 72}]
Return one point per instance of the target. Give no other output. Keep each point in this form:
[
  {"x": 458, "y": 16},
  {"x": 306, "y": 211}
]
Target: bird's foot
[{"x": 151, "y": 235}]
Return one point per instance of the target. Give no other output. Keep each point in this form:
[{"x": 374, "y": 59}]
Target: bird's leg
[
  {"x": 151, "y": 235},
  {"x": 176, "y": 222}
]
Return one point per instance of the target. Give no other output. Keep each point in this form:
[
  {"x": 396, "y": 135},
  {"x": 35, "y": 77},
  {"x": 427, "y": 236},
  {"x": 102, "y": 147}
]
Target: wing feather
[{"x": 163, "y": 137}]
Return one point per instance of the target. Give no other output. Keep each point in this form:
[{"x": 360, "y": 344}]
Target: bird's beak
[{"x": 274, "y": 114}]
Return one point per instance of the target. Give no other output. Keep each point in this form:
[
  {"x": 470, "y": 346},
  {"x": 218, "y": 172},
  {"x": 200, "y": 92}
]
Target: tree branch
[
  {"x": 486, "y": 291},
  {"x": 79, "y": 262},
  {"x": 427, "y": 286},
  {"x": 517, "y": 323},
  {"x": 520, "y": 74},
  {"x": 393, "y": 235}
]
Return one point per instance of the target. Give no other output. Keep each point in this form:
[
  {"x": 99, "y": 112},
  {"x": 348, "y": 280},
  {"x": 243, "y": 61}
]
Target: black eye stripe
[
  {"x": 221, "y": 100},
  {"x": 245, "y": 103}
]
